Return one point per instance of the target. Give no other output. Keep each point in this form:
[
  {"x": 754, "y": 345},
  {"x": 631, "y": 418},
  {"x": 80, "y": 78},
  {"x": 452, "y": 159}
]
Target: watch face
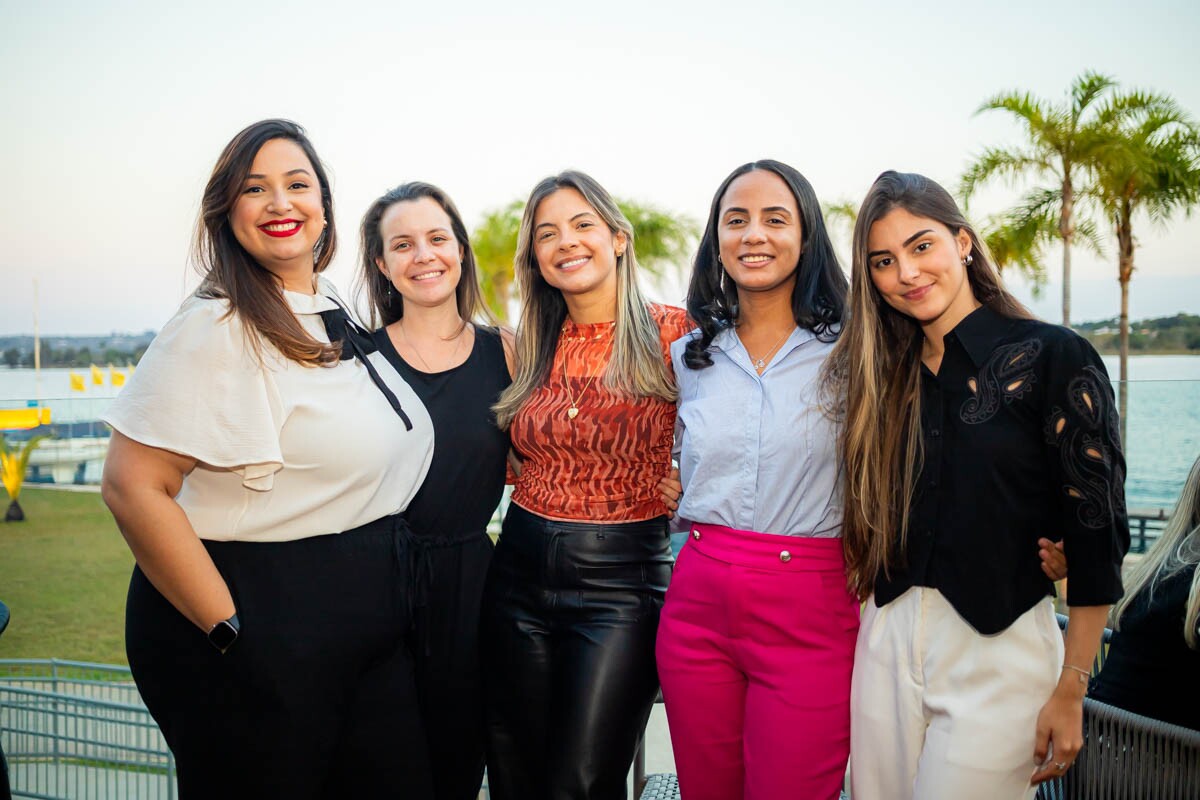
[{"x": 223, "y": 635}]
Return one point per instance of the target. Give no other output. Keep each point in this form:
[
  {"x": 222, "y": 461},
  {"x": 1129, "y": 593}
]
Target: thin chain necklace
[
  {"x": 760, "y": 364},
  {"x": 424, "y": 363},
  {"x": 573, "y": 411}
]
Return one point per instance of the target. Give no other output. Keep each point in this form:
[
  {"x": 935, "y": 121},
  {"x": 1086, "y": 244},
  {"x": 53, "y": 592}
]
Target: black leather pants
[{"x": 570, "y": 615}]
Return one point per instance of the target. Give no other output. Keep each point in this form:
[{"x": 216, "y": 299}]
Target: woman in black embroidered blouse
[{"x": 971, "y": 431}]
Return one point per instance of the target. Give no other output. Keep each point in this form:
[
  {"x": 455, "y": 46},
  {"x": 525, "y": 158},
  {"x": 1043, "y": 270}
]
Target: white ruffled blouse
[{"x": 283, "y": 451}]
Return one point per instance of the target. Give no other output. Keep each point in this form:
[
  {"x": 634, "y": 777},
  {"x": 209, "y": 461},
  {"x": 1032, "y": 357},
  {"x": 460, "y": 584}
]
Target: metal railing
[
  {"x": 80, "y": 731},
  {"x": 1145, "y": 526}
]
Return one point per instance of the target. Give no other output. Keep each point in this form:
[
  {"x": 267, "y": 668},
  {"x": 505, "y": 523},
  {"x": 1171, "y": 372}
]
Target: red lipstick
[{"x": 280, "y": 234}]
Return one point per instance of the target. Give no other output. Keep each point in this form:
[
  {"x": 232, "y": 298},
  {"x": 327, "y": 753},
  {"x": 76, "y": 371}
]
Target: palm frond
[
  {"x": 1085, "y": 90},
  {"x": 662, "y": 240},
  {"x": 996, "y": 162}
]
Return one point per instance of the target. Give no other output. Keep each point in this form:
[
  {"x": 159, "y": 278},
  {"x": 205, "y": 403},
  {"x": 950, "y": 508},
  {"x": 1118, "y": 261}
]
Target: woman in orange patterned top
[{"x": 577, "y": 580}]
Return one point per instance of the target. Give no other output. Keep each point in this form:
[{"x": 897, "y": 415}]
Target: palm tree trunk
[
  {"x": 1066, "y": 303},
  {"x": 1066, "y": 229},
  {"x": 1125, "y": 274}
]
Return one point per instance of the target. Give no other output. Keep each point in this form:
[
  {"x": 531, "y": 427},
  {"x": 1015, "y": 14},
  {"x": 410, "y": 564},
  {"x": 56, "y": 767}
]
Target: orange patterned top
[{"x": 605, "y": 464}]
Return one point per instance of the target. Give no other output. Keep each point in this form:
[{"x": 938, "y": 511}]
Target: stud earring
[{"x": 968, "y": 260}]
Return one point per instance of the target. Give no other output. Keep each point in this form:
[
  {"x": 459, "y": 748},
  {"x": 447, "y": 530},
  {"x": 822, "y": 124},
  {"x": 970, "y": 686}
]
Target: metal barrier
[
  {"x": 80, "y": 731},
  {"x": 1145, "y": 526}
]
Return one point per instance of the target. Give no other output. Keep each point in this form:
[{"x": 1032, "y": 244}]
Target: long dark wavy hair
[
  {"x": 819, "y": 296},
  {"x": 387, "y": 305},
  {"x": 229, "y": 272}
]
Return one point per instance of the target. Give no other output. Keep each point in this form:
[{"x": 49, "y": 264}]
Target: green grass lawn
[{"x": 63, "y": 575}]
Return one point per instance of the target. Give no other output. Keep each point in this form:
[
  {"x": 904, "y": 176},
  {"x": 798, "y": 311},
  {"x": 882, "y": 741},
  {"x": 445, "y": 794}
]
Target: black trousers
[
  {"x": 316, "y": 698},
  {"x": 450, "y": 573},
  {"x": 570, "y": 615}
]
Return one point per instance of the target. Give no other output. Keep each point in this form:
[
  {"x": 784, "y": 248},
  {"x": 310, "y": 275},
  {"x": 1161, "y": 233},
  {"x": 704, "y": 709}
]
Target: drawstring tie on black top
[{"x": 358, "y": 343}]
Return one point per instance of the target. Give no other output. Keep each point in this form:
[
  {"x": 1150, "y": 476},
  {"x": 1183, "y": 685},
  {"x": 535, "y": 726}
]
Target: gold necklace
[
  {"x": 573, "y": 411},
  {"x": 761, "y": 363}
]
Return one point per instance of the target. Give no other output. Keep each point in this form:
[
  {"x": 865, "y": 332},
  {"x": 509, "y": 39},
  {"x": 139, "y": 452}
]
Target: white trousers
[{"x": 938, "y": 710}]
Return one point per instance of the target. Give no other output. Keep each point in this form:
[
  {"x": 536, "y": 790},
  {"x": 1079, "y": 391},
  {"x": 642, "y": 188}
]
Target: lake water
[{"x": 1162, "y": 429}]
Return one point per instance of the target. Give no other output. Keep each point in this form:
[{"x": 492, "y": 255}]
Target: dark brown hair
[
  {"x": 229, "y": 272},
  {"x": 387, "y": 305}
]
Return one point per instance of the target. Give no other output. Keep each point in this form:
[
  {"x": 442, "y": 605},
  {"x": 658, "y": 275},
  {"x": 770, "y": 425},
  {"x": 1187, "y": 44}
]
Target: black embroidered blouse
[{"x": 1021, "y": 440}]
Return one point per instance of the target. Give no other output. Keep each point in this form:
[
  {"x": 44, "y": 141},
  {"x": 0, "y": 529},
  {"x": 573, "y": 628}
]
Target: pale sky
[{"x": 114, "y": 113}]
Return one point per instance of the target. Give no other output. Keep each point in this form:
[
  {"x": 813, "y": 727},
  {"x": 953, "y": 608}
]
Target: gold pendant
[{"x": 572, "y": 412}]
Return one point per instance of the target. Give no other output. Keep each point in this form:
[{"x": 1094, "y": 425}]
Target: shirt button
[
  {"x": 785, "y": 556},
  {"x": 933, "y": 484},
  {"x": 696, "y": 534},
  {"x": 935, "y": 433}
]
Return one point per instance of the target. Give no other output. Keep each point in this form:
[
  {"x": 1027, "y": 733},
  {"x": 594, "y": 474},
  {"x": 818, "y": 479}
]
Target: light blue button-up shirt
[{"x": 757, "y": 452}]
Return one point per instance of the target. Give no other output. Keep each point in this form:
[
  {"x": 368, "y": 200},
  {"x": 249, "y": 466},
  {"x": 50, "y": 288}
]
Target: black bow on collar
[{"x": 358, "y": 343}]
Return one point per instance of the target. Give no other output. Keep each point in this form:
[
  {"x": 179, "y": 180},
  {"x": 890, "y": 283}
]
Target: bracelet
[{"x": 1084, "y": 675}]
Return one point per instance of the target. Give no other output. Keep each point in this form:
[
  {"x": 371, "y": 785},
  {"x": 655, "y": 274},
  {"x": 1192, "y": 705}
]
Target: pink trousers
[{"x": 755, "y": 651}]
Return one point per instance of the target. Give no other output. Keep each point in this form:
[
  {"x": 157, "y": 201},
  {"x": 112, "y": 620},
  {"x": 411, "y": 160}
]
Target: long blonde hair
[
  {"x": 1176, "y": 549},
  {"x": 636, "y": 367},
  {"x": 876, "y": 367}
]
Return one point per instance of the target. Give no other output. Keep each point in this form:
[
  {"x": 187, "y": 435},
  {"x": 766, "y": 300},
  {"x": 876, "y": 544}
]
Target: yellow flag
[
  {"x": 97, "y": 376},
  {"x": 77, "y": 382},
  {"x": 115, "y": 377}
]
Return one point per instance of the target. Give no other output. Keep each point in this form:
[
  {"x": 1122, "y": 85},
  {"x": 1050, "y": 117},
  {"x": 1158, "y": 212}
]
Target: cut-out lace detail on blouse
[
  {"x": 1007, "y": 376},
  {"x": 1087, "y": 459}
]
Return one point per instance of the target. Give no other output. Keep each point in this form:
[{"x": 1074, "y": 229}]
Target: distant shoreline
[{"x": 1170, "y": 351}]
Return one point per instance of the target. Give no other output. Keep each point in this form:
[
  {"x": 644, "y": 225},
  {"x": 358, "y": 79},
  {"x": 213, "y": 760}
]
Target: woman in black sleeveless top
[{"x": 422, "y": 280}]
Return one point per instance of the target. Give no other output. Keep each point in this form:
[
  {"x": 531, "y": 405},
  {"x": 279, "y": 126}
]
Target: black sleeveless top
[{"x": 466, "y": 477}]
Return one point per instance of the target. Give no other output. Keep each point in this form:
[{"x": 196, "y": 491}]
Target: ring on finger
[{"x": 1061, "y": 765}]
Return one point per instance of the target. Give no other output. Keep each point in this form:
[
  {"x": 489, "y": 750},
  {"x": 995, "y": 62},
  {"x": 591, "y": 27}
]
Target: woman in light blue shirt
[{"x": 756, "y": 643}]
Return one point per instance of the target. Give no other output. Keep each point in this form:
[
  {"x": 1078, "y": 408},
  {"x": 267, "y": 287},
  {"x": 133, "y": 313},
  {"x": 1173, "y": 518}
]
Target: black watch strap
[{"x": 224, "y": 633}]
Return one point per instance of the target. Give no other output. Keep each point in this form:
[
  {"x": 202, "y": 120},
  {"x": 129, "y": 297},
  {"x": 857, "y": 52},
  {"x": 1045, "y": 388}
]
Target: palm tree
[
  {"x": 1060, "y": 147},
  {"x": 663, "y": 242},
  {"x": 495, "y": 244},
  {"x": 12, "y": 470},
  {"x": 841, "y": 215},
  {"x": 1151, "y": 167},
  {"x": 1019, "y": 237}
]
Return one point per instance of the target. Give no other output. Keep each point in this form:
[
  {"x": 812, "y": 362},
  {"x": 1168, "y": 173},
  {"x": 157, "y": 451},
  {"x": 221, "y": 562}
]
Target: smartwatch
[{"x": 224, "y": 633}]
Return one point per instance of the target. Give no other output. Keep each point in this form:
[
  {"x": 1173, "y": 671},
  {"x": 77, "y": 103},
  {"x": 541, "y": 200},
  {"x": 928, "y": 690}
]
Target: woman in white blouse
[
  {"x": 259, "y": 462},
  {"x": 756, "y": 643}
]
